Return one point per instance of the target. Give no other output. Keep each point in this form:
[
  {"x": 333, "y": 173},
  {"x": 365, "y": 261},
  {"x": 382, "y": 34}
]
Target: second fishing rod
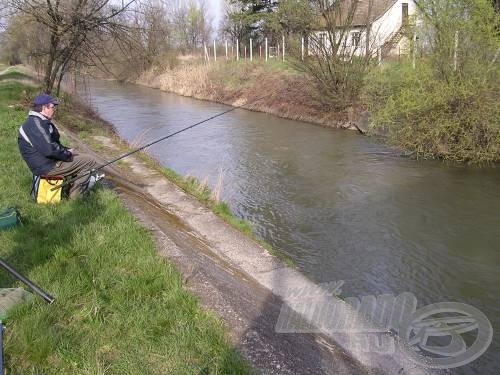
[{"x": 95, "y": 170}]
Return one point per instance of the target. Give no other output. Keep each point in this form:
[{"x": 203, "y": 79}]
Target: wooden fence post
[
  {"x": 455, "y": 53},
  {"x": 266, "y": 49},
  {"x": 251, "y": 50},
  {"x": 207, "y": 57},
  {"x": 414, "y": 51},
  {"x": 302, "y": 48},
  {"x": 283, "y": 44}
]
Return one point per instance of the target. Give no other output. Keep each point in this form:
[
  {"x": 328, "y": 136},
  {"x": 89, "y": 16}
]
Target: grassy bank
[
  {"x": 289, "y": 93},
  {"x": 120, "y": 308}
]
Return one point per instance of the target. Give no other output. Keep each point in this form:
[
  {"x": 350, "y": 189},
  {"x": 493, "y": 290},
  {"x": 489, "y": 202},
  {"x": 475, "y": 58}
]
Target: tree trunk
[
  {"x": 49, "y": 78},
  {"x": 62, "y": 72}
]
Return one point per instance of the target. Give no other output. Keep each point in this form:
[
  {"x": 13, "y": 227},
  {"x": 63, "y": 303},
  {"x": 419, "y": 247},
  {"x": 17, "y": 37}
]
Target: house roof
[{"x": 363, "y": 12}]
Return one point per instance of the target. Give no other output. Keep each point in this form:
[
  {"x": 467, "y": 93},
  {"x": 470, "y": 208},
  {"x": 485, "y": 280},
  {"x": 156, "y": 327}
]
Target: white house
[{"x": 384, "y": 19}]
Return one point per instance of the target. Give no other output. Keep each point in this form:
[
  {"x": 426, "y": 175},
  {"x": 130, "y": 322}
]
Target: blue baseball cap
[{"x": 44, "y": 99}]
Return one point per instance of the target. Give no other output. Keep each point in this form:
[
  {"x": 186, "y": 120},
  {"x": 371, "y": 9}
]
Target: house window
[{"x": 355, "y": 38}]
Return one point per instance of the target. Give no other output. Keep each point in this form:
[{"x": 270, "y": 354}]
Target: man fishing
[{"x": 41, "y": 149}]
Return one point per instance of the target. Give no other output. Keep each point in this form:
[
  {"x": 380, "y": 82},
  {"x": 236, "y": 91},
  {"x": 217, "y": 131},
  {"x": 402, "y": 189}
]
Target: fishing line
[{"x": 74, "y": 178}]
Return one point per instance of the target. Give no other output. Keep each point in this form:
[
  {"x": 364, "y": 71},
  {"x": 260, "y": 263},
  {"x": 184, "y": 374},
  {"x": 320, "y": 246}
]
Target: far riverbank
[
  {"x": 287, "y": 93},
  {"x": 422, "y": 127}
]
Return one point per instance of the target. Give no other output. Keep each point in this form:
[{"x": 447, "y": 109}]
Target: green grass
[
  {"x": 120, "y": 308},
  {"x": 245, "y": 73},
  {"x": 14, "y": 74}
]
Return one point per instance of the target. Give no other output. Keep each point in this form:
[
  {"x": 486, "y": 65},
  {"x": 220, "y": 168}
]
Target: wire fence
[
  {"x": 302, "y": 48},
  {"x": 249, "y": 50}
]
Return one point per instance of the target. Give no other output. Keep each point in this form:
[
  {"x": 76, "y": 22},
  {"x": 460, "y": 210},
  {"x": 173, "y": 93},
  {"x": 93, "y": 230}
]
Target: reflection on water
[{"x": 340, "y": 205}]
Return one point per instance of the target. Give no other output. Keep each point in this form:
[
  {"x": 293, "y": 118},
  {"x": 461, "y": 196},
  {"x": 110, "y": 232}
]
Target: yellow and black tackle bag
[{"x": 42, "y": 190}]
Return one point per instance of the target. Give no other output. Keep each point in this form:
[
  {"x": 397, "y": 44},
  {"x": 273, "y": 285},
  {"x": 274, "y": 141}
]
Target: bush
[
  {"x": 446, "y": 107},
  {"x": 423, "y": 114}
]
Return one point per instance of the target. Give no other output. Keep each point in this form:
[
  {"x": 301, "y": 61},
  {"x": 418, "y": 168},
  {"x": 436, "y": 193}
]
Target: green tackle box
[{"x": 9, "y": 218}]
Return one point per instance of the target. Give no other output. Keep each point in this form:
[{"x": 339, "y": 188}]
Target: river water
[{"x": 341, "y": 206}]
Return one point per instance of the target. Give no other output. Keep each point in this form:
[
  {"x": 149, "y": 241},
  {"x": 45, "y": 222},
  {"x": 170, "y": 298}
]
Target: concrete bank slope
[{"x": 249, "y": 288}]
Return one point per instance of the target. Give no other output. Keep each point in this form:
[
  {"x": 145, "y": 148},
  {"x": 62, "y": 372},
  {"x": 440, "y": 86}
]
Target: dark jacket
[{"x": 39, "y": 144}]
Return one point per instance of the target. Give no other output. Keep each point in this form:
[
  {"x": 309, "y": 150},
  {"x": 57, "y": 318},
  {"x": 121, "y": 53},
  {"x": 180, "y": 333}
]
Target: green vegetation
[
  {"x": 448, "y": 106},
  {"x": 245, "y": 19},
  {"x": 120, "y": 308},
  {"x": 420, "y": 113},
  {"x": 13, "y": 74}
]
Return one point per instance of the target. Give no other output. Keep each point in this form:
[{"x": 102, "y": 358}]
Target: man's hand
[{"x": 73, "y": 151}]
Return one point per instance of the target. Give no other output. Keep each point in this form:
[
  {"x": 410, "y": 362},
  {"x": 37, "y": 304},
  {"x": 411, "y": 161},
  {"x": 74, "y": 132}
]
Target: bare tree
[
  {"x": 341, "y": 50},
  {"x": 150, "y": 34},
  {"x": 69, "y": 26},
  {"x": 230, "y": 27},
  {"x": 156, "y": 31},
  {"x": 192, "y": 26},
  {"x": 24, "y": 39}
]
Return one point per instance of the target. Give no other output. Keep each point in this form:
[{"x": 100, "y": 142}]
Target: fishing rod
[
  {"x": 34, "y": 288},
  {"x": 94, "y": 170},
  {"x": 30, "y": 284}
]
